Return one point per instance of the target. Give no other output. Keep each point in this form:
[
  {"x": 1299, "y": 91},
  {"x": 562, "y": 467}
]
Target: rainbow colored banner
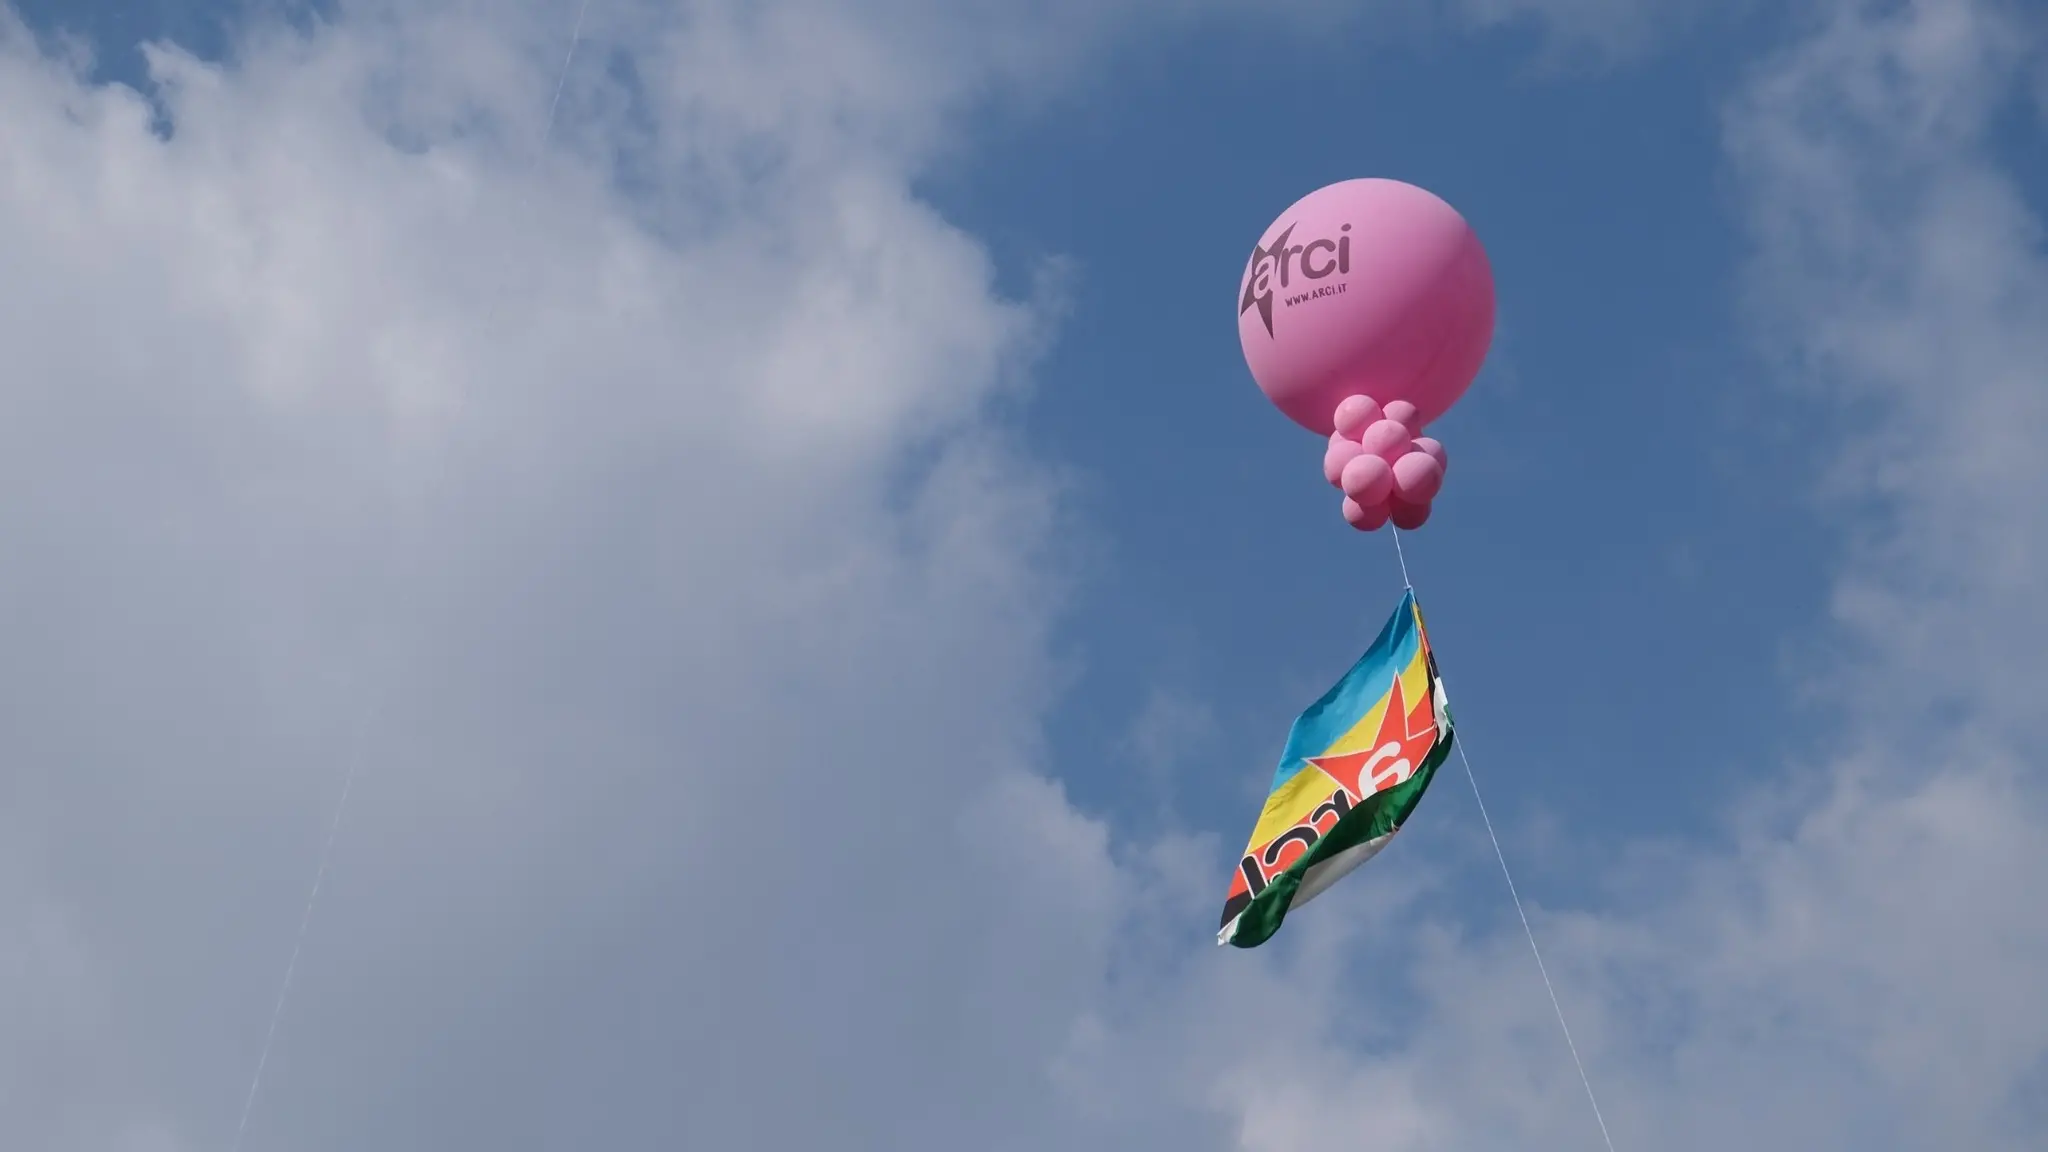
[{"x": 1356, "y": 764}]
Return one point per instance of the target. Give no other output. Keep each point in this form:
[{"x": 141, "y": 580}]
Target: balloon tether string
[
  {"x": 284, "y": 989},
  {"x": 355, "y": 760},
  {"x": 1516, "y": 896}
]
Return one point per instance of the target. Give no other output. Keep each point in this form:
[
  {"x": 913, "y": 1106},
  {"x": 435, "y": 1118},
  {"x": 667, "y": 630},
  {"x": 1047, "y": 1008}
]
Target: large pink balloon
[{"x": 1367, "y": 287}]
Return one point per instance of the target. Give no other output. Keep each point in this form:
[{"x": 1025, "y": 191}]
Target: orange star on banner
[{"x": 1393, "y": 753}]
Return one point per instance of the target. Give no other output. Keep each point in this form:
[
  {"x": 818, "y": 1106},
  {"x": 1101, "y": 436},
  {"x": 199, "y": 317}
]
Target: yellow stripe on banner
[
  {"x": 1414, "y": 684},
  {"x": 1292, "y": 802}
]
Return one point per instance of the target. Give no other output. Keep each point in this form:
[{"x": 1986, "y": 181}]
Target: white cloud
[
  {"x": 653, "y": 555},
  {"x": 1861, "y": 972},
  {"x": 348, "y": 423},
  {"x": 334, "y": 428},
  {"x": 1603, "y": 31},
  {"x": 1595, "y": 35}
]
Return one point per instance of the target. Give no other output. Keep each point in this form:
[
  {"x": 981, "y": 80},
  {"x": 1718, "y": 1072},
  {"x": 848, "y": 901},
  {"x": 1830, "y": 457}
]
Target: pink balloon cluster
[{"x": 1387, "y": 468}]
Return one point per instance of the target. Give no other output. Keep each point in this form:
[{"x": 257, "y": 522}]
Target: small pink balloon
[
  {"x": 1367, "y": 479},
  {"x": 1337, "y": 455},
  {"x": 1365, "y": 518},
  {"x": 1403, "y": 413},
  {"x": 1417, "y": 478},
  {"x": 1387, "y": 439},
  {"x": 1408, "y": 516},
  {"x": 1355, "y": 414},
  {"x": 1428, "y": 446}
]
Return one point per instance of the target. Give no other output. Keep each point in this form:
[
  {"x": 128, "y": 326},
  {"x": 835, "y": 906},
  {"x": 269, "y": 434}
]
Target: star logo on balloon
[
  {"x": 1391, "y": 757},
  {"x": 1258, "y": 283}
]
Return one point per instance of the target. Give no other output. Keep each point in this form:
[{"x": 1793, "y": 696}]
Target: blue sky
[
  {"x": 1233, "y": 582},
  {"x": 1226, "y": 581},
  {"x": 789, "y": 636}
]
